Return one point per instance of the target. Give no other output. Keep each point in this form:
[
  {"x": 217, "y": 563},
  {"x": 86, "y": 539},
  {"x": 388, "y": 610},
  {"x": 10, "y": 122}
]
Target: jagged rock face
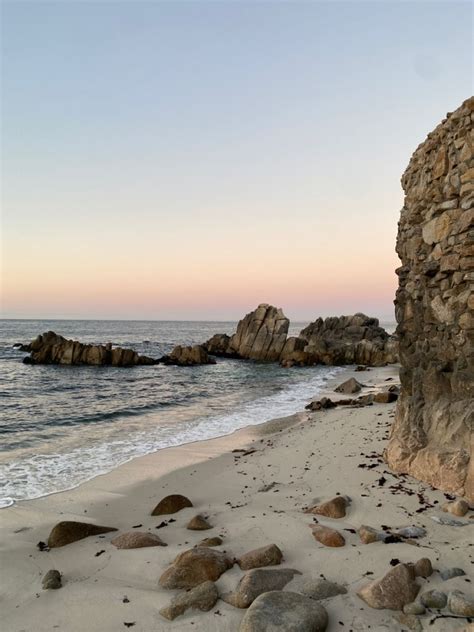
[
  {"x": 356, "y": 339},
  {"x": 432, "y": 435},
  {"x": 50, "y": 348},
  {"x": 261, "y": 335}
]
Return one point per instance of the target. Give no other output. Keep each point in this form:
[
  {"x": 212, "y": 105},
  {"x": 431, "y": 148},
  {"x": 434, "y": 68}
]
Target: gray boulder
[
  {"x": 278, "y": 611},
  {"x": 256, "y": 582}
]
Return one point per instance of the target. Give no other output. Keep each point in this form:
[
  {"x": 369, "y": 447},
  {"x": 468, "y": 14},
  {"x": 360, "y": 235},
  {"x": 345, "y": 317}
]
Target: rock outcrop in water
[
  {"x": 262, "y": 335},
  {"x": 356, "y": 339},
  {"x": 188, "y": 356},
  {"x": 433, "y": 433},
  {"x": 50, "y": 348}
]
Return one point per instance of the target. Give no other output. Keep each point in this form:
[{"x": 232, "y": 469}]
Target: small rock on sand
[
  {"x": 393, "y": 591},
  {"x": 256, "y": 582},
  {"x": 269, "y": 555},
  {"x": 434, "y": 599},
  {"x": 458, "y": 507},
  {"x": 349, "y": 386},
  {"x": 367, "y": 534},
  {"x": 194, "y": 567},
  {"x": 415, "y": 607},
  {"x": 285, "y": 611},
  {"x": 137, "y": 540},
  {"x": 327, "y": 536},
  {"x": 385, "y": 397},
  {"x": 70, "y": 531},
  {"x": 460, "y": 604},
  {"x": 449, "y": 573},
  {"x": 216, "y": 541},
  {"x": 423, "y": 567},
  {"x": 171, "y": 504},
  {"x": 334, "y": 508},
  {"x": 198, "y": 523},
  {"x": 202, "y": 597},
  {"x": 52, "y": 580}
]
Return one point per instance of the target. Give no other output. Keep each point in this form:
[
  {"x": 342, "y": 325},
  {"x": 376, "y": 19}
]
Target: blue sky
[{"x": 190, "y": 159}]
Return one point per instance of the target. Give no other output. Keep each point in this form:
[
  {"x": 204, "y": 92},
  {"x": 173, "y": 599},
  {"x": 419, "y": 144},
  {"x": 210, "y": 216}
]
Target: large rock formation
[
  {"x": 50, "y": 348},
  {"x": 356, "y": 339},
  {"x": 432, "y": 436},
  {"x": 262, "y": 335}
]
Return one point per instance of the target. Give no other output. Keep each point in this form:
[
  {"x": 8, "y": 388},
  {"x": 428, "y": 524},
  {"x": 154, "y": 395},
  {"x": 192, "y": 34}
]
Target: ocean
[{"x": 61, "y": 425}]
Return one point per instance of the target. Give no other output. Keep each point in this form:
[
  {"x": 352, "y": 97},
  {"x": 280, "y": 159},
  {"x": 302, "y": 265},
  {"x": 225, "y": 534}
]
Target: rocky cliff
[{"x": 432, "y": 436}]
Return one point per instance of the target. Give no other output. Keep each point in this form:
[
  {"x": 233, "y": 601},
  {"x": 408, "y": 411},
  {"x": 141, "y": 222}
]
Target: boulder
[
  {"x": 171, "y": 504},
  {"x": 321, "y": 404},
  {"x": 458, "y": 507},
  {"x": 195, "y": 566},
  {"x": 393, "y": 591},
  {"x": 423, "y": 567},
  {"x": 202, "y": 597},
  {"x": 50, "y": 348},
  {"x": 317, "y": 589},
  {"x": 256, "y": 582},
  {"x": 218, "y": 346},
  {"x": 137, "y": 540},
  {"x": 261, "y": 334},
  {"x": 68, "y": 531},
  {"x": 460, "y": 604},
  {"x": 431, "y": 438},
  {"x": 334, "y": 508},
  {"x": 52, "y": 580},
  {"x": 269, "y": 555},
  {"x": 188, "y": 356},
  {"x": 284, "y": 612},
  {"x": 349, "y": 386},
  {"x": 385, "y": 397},
  {"x": 327, "y": 536},
  {"x": 216, "y": 541},
  {"x": 198, "y": 523}
]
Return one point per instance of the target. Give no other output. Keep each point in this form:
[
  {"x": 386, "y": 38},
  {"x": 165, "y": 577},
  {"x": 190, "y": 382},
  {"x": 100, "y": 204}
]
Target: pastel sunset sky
[{"x": 189, "y": 160}]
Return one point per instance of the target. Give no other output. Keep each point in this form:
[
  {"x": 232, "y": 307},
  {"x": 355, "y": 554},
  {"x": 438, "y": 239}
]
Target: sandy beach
[{"x": 307, "y": 458}]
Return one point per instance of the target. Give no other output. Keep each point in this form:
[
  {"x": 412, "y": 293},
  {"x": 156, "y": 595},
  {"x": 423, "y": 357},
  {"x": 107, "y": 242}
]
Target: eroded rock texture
[
  {"x": 50, "y": 348},
  {"x": 432, "y": 436}
]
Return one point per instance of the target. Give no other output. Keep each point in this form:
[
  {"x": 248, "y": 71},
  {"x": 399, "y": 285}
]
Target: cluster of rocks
[
  {"x": 50, "y": 348},
  {"x": 349, "y": 387},
  {"x": 263, "y": 335},
  {"x": 432, "y": 434}
]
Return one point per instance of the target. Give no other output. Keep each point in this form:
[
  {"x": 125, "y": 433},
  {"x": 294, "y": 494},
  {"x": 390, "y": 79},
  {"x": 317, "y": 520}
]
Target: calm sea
[{"x": 61, "y": 426}]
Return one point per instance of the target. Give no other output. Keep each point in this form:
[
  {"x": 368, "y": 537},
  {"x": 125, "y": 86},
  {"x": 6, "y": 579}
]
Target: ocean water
[{"x": 61, "y": 426}]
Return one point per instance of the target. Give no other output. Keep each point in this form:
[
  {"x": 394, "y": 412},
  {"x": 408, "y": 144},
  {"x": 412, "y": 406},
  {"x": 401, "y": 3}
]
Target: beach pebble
[
  {"x": 198, "y": 523},
  {"x": 434, "y": 599},
  {"x": 393, "y": 591},
  {"x": 411, "y": 532},
  {"x": 327, "y": 536},
  {"x": 256, "y": 582},
  {"x": 450, "y": 522},
  {"x": 349, "y": 386},
  {"x": 415, "y": 607},
  {"x": 385, "y": 397},
  {"x": 334, "y": 508},
  {"x": 367, "y": 534},
  {"x": 202, "y": 597},
  {"x": 285, "y": 611},
  {"x": 458, "y": 507},
  {"x": 423, "y": 567},
  {"x": 449, "y": 573},
  {"x": 318, "y": 589},
  {"x": 269, "y": 555},
  {"x": 216, "y": 541},
  {"x": 52, "y": 580},
  {"x": 171, "y": 504},
  {"x": 194, "y": 567},
  {"x": 460, "y": 604},
  {"x": 137, "y": 540},
  {"x": 67, "y": 532}
]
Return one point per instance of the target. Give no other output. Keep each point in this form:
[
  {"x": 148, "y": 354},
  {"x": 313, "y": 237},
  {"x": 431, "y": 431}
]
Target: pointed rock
[
  {"x": 69, "y": 531},
  {"x": 327, "y": 536},
  {"x": 202, "y": 597},
  {"x": 393, "y": 591},
  {"x": 256, "y": 582},
  {"x": 198, "y": 523},
  {"x": 334, "y": 508}
]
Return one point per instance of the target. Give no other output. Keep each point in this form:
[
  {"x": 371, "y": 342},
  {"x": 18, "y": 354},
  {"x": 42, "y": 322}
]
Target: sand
[{"x": 308, "y": 457}]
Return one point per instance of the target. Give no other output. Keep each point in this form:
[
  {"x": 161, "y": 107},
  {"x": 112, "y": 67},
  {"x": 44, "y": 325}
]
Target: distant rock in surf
[{"x": 188, "y": 356}]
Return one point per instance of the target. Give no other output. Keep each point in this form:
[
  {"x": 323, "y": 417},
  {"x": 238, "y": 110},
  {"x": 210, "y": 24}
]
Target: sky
[{"x": 189, "y": 160}]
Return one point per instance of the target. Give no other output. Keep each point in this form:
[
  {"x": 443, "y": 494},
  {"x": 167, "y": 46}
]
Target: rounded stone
[
  {"x": 423, "y": 567},
  {"x": 434, "y": 599},
  {"x": 284, "y": 612},
  {"x": 460, "y": 604},
  {"x": 52, "y": 580},
  {"x": 414, "y": 608}
]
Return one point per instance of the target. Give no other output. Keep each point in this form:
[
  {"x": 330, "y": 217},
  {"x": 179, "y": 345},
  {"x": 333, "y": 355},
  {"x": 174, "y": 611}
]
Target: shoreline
[
  {"x": 341, "y": 371},
  {"x": 304, "y": 457}
]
